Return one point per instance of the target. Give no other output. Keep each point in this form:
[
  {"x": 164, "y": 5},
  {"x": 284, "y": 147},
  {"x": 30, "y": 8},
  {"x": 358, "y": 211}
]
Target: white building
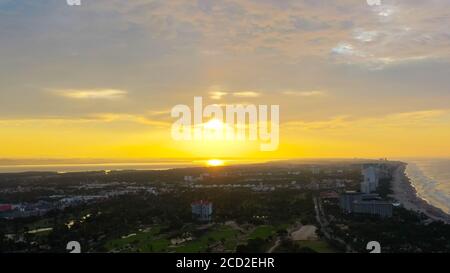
[
  {"x": 370, "y": 179},
  {"x": 202, "y": 210}
]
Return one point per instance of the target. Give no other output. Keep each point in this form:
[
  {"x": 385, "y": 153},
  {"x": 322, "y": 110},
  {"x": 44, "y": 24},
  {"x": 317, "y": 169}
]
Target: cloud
[
  {"x": 434, "y": 118},
  {"x": 108, "y": 94},
  {"x": 364, "y": 36},
  {"x": 140, "y": 119},
  {"x": 313, "y": 93},
  {"x": 246, "y": 94},
  {"x": 385, "y": 10},
  {"x": 330, "y": 124},
  {"x": 396, "y": 32},
  {"x": 91, "y": 118},
  {"x": 217, "y": 95},
  {"x": 218, "y": 92},
  {"x": 243, "y": 44},
  {"x": 418, "y": 115},
  {"x": 343, "y": 49}
]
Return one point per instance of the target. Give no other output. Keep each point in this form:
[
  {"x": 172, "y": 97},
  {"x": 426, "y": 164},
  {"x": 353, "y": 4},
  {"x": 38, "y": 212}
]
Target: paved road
[
  {"x": 323, "y": 222},
  {"x": 277, "y": 243}
]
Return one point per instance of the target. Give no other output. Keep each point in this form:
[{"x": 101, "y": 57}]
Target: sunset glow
[
  {"x": 215, "y": 162},
  {"x": 321, "y": 66},
  {"x": 224, "y": 126}
]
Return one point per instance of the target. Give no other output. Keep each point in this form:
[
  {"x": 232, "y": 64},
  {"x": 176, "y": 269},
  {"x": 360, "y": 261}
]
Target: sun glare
[
  {"x": 214, "y": 124},
  {"x": 215, "y": 162}
]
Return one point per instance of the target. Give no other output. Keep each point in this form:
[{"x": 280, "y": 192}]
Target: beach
[{"x": 405, "y": 193}]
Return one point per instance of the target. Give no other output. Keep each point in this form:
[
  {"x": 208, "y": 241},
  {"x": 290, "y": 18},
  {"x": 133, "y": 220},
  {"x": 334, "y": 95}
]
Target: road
[
  {"x": 277, "y": 243},
  {"x": 323, "y": 222}
]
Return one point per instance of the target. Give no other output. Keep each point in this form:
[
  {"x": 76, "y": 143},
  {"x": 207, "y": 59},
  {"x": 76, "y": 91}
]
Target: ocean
[
  {"x": 63, "y": 168},
  {"x": 88, "y": 167},
  {"x": 431, "y": 179}
]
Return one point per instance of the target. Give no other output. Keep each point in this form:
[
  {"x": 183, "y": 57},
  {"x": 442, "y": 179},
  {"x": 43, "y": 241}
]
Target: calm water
[
  {"x": 96, "y": 167},
  {"x": 431, "y": 178},
  {"x": 113, "y": 166}
]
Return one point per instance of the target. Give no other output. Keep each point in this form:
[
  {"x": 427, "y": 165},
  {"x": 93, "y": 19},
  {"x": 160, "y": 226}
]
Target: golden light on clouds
[
  {"x": 217, "y": 95},
  {"x": 345, "y": 81},
  {"x": 246, "y": 94},
  {"x": 110, "y": 94},
  {"x": 420, "y": 133},
  {"x": 313, "y": 93}
]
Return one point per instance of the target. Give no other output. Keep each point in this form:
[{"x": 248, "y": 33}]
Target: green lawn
[
  {"x": 218, "y": 234},
  {"x": 153, "y": 241},
  {"x": 262, "y": 232},
  {"x": 318, "y": 246},
  {"x": 149, "y": 241}
]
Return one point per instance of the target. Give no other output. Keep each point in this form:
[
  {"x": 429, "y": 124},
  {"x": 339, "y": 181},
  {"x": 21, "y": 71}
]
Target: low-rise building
[
  {"x": 361, "y": 203},
  {"x": 380, "y": 208}
]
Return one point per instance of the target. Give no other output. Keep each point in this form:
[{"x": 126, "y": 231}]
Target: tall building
[
  {"x": 202, "y": 210},
  {"x": 370, "y": 178},
  {"x": 366, "y": 202}
]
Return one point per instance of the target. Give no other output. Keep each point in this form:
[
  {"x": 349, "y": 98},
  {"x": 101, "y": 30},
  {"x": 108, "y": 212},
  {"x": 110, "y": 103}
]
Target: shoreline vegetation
[{"x": 405, "y": 193}]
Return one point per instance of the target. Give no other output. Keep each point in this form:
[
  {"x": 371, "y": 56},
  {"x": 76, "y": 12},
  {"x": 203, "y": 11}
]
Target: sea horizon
[
  {"x": 114, "y": 166},
  {"x": 86, "y": 165}
]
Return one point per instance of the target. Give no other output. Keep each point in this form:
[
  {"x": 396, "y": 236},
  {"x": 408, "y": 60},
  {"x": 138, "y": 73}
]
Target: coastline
[{"x": 406, "y": 194}]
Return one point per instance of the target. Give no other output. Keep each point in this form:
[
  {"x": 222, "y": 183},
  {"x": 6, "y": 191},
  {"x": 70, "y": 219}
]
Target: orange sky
[{"x": 99, "y": 80}]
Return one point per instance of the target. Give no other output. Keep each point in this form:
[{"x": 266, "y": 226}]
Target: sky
[{"x": 99, "y": 80}]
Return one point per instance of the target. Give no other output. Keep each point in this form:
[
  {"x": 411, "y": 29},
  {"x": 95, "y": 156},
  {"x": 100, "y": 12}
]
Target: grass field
[
  {"x": 153, "y": 241},
  {"x": 219, "y": 234},
  {"x": 219, "y": 237},
  {"x": 318, "y": 246},
  {"x": 149, "y": 241},
  {"x": 262, "y": 232}
]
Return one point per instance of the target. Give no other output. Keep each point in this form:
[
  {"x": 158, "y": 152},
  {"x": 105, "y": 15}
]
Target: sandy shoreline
[{"x": 406, "y": 194}]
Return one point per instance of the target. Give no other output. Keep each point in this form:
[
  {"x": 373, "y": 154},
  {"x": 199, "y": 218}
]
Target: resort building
[
  {"x": 361, "y": 203},
  {"x": 347, "y": 199},
  {"x": 380, "y": 208}
]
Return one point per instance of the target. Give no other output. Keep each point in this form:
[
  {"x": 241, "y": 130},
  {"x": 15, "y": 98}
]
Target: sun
[
  {"x": 214, "y": 124},
  {"x": 215, "y": 162},
  {"x": 214, "y": 129}
]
